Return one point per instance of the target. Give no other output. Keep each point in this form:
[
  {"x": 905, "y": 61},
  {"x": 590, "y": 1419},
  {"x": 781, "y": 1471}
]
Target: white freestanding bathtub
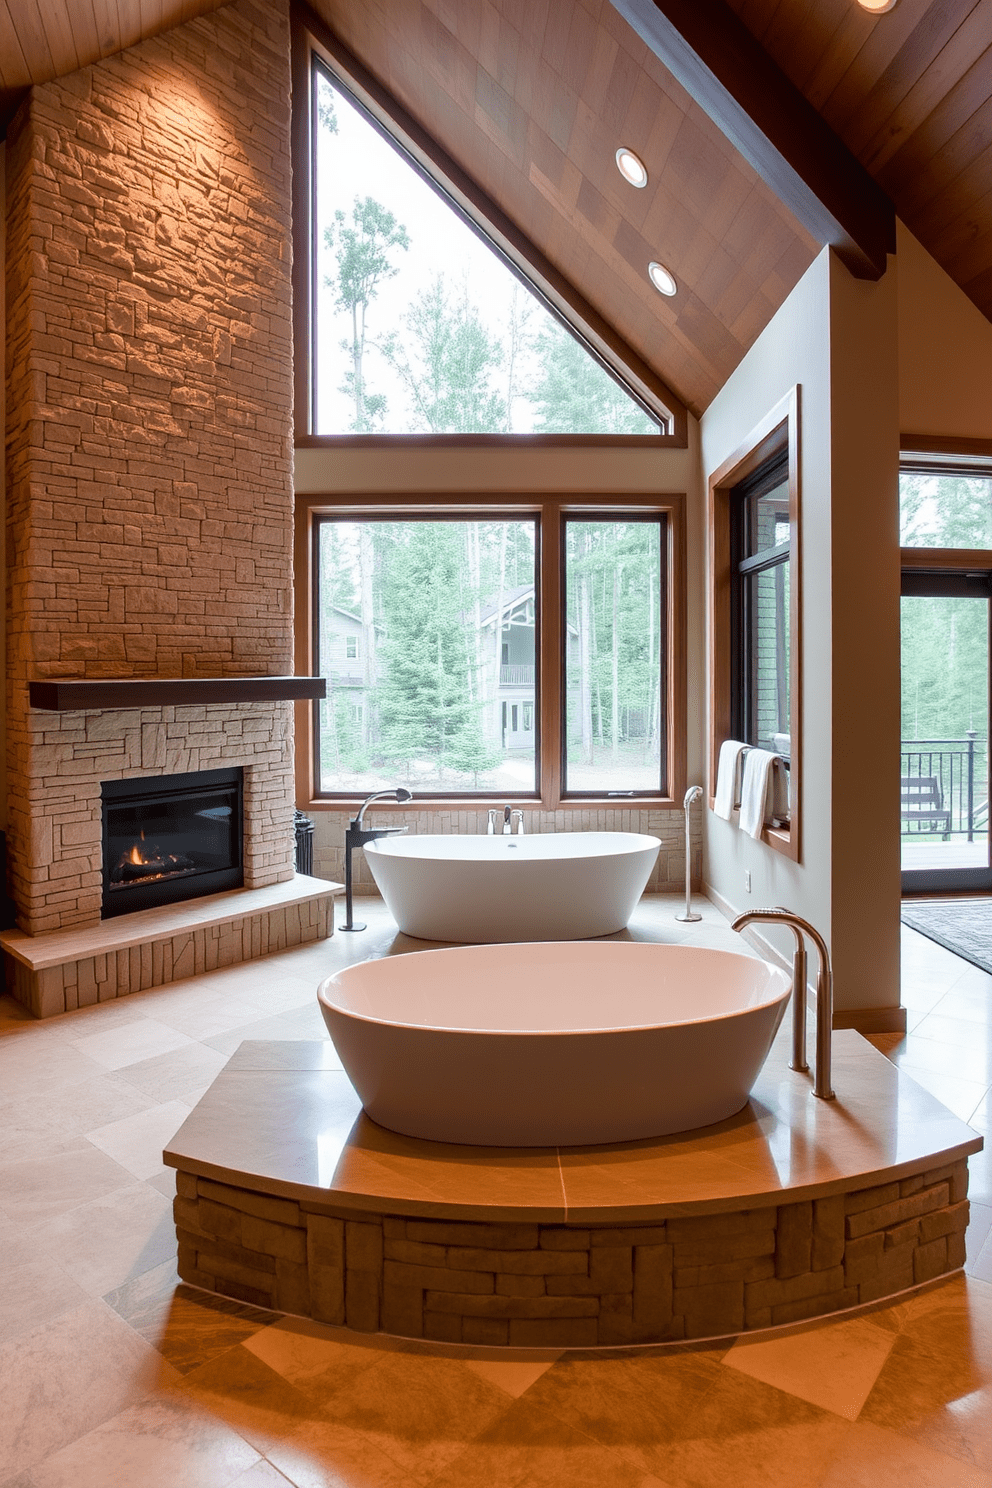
[
  {"x": 554, "y": 1044},
  {"x": 549, "y": 886}
]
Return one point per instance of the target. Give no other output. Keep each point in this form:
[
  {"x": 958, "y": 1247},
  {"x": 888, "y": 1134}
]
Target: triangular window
[{"x": 419, "y": 325}]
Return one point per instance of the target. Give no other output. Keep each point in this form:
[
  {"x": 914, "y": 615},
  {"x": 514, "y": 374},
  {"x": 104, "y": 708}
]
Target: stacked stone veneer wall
[
  {"x": 690, "y": 1276},
  {"x": 149, "y": 449},
  {"x": 668, "y": 873}
]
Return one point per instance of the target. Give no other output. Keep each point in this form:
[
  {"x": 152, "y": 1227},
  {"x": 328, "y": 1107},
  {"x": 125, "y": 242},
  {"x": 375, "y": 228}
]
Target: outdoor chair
[{"x": 923, "y": 803}]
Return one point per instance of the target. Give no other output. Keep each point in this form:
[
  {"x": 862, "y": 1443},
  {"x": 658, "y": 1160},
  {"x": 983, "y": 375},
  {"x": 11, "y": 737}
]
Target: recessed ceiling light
[
  {"x": 877, "y": 7},
  {"x": 662, "y": 280},
  {"x": 631, "y": 167}
]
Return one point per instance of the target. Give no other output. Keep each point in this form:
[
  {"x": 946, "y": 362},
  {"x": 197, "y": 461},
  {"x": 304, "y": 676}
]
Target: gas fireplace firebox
[{"x": 171, "y": 837}]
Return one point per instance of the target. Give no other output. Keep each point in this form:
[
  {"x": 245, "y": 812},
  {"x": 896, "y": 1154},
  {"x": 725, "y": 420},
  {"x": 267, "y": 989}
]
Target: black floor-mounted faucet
[{"x": 357, "y": 835}]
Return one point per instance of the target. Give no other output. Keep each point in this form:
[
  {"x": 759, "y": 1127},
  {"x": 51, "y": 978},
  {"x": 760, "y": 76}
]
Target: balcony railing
[
  {"x": 516, "y": 676},
  {"x": 951, "y": 798}
]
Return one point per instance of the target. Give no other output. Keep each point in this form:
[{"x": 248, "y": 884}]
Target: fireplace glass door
[{"x": 170, "y": 838}]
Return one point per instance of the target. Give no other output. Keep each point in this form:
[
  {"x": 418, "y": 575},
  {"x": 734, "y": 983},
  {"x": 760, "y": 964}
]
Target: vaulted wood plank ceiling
[
  {"x": 532, "y": 98},
  {"x": 910, "y": 93},
  {"x": 43, "y": 39}
]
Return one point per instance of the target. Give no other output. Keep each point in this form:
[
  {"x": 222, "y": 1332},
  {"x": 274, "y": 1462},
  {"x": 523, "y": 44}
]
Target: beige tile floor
[{"x": 113, "y": 1374}]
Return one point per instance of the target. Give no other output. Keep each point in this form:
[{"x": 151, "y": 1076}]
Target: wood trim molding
[
  {"x": 943, "y": 560},
  {"x": 781, "y": 424},
  {"x": 777, "y": 130},
  {"x": 550, "y": 511},
  {"x": 538, "y": 273},
  {"x": 941, "y": 444}
]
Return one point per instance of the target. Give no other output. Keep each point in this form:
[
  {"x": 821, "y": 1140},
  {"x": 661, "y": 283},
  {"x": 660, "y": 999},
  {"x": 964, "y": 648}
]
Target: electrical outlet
[{"x": 747, "y": 882}]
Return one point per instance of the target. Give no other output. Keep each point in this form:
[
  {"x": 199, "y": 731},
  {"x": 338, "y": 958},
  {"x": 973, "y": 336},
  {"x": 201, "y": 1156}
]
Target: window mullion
[{"x": 550, "y": 689}]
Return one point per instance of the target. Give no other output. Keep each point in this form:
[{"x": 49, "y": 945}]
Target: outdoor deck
[{"x": 932, "y": 852}]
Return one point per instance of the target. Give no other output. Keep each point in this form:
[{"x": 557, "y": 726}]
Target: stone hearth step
[{"x": 67, "y": 969}]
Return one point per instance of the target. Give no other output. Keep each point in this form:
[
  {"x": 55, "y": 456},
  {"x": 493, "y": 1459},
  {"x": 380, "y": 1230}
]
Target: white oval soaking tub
[
  {"x": 549, "y": 886},
  {"x": 556, "y": 1044}
]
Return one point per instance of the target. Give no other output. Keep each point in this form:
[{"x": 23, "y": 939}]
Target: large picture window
[
  {"x": 520, "y": 652},
  {"x": 420, "y": 308}
]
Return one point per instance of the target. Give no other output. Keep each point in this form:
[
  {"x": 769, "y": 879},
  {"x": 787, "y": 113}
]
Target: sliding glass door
[{"x": 944, "y": 748}]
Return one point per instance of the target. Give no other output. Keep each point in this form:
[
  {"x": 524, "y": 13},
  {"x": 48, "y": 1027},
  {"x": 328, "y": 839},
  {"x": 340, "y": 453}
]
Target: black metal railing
[{"x": 945, "y": 787}]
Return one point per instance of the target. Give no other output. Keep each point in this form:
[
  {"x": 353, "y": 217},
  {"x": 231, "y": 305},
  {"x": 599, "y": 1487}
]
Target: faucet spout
[
  {"x": 507, "y": 828},
  {"x": 824, "y": 992}
]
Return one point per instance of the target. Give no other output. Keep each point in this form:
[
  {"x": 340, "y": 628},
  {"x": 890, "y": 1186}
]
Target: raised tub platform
[{"x": 289, "y": 1197}]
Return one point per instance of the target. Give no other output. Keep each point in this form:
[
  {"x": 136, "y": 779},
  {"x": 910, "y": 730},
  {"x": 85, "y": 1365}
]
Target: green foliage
[
  {"x": 613, "y": 587},
  {"x": 945, "y": 511},
  {"x": 326, "y": 115},
  {"x": 448, "y": 360},
  {"x": 572, "y": 393},
  {"x": 363, "y": 249},
  {"x": 423, "y": 702}
]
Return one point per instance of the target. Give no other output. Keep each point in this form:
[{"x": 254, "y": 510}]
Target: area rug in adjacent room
[{"x": 963, "y": 926}]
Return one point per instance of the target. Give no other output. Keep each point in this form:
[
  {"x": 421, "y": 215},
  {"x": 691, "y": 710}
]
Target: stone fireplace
[{"x": 149, "y": 454}]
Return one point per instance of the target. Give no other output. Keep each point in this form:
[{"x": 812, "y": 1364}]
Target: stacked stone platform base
[
  {"x": 719, "y": 1232},
  {"x": 571, "y": 1286},
  {"x": 68, "y": 969}
]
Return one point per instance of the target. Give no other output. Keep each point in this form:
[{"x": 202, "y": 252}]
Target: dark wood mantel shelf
[{"x": 63, "y": 696}]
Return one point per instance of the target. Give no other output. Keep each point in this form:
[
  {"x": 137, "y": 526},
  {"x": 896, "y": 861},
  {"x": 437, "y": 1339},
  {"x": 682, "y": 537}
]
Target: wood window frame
[
  {"x": 550, "y": 659},
  {"x": 779, "y": 429},
  {"x": 312, "y": 37}
]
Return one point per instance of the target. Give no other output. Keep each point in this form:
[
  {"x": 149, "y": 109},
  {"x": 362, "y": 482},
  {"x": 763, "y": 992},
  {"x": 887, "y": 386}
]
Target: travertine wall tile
[{"x": 668, "y": 873}]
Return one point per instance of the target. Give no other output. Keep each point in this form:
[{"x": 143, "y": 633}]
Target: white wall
[
  {"x": 945, "y": 351},
  {"x": 836, "y": 338}
]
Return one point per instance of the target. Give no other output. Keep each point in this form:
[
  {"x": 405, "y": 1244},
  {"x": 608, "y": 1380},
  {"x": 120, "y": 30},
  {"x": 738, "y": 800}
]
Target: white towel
[
  {"x": 759, "y": 769},
  {"x": 780, "y": 791},
  {"x": 726, "y": 778}
]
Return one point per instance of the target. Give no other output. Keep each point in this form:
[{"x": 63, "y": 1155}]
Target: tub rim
[
  {"x": 724, "y": 1017},
  {"x": 396, "y": 846}
]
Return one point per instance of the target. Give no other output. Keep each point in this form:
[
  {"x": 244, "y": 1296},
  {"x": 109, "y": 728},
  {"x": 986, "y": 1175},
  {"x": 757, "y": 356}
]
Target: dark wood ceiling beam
[{"x": 710, "y": 51}]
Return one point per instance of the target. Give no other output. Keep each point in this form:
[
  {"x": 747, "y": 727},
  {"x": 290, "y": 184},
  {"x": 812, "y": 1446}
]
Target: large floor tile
[
  {"x": 238, "y": 1389},
  {"x": 63, "y": 1379},
  {"x": 57, "y": 1120},
  {"x": 30, "y": 1065},
  {"x": 313, "y": 1359},
  {"x": 638, "y": 1404},
  {"x": 971, "y": 1063},
  {"x": 420, "y": 1412},
  {"x": 38, "y": 1188},
  {"x": 186, "y": 1326},
  {"x": 833, "y": 1365},
  {"x": 515, "y": 1376},
  {"x": 131, "y": 1042},
  {"x": 936, "y": 1385},
  {"x": 111, "y": 1239},
  {"x": 174, "y": 1075},
  {"x": 156, "y": 1444},
  {"x": 300, "y": 1023},
  {"x": 874, "y": 1458},
  {"x": 529, "y": 1447},
  {"x": 33, "y": 1293},
  {"x": 138, "y": 1142}
]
